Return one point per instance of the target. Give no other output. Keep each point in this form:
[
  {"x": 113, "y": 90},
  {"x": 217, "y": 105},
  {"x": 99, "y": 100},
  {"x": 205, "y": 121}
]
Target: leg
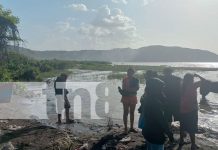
[
  {"x": 125, "y": 115},
  {"x": 203, "y": 99},
  {"x": 193, "y": 144},
  {"x": 194, "y": 118},
  {"x": 182, "y": 134},
  {"x": 67, "y": 115},
  {"x": 132, "y": 111},
  {"x": 59, "y": 118},
  {"x": 59, "y": 106}
]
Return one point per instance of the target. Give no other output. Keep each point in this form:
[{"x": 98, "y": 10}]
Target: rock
[
  {"x": 126, "y": 139},
  {"x": 76, "y": 138},
  {"x": 14, "y": 127},
  {"x": 84, "y": 147},
  {"x": 3, "y": 121},
  {"x": 7, "y": 146},
  {"x": 121, "y": 147}
]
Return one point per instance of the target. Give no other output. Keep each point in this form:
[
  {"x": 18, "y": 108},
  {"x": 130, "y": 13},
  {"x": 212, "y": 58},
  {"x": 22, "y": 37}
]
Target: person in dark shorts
[
  {"x": 61, "y": 96},
  {"x": 189, "y": 108},
  {"x": 155, "y": 125},
  {"x": 172, "y": 91},
  {"x": 130, "y": 86}
]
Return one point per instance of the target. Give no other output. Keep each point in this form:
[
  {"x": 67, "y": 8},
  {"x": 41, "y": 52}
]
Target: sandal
[{"x": 133, "y": 130}]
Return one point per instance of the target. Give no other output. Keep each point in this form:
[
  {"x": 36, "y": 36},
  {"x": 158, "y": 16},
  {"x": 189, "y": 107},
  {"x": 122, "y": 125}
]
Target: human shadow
[{"x": 21, "y": 132}]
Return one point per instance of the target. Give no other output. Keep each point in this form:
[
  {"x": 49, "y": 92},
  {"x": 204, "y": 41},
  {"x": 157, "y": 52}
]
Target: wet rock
[
  {"x": 7, "y": 146},
  {"x": 3, "y": 121},
  {"x": 122, "y": 147},
  {"x": 14, "y": 127},
  {"x": 84, "y": 147},
  {"x": 125, "y": 139}
]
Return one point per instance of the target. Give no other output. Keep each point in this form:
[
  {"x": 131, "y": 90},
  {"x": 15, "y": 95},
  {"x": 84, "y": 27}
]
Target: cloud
[
  {"x": 65, "y": 26},
  {"x": 78, "y": 7},
  {"x": 141, "y": 2},
  {"x": 147, "y": 2},
  {"x": 111, "y": 27},
  {"x": 120, "y": 1}
]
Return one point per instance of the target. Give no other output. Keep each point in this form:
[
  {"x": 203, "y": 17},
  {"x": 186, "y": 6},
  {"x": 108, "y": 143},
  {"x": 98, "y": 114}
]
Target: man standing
[
  {"x": 61, "y": 96},
  {"x": 130, "y": 86},
  {"x": 155, "y": 126},
  {"x": 172, "y": 92}
]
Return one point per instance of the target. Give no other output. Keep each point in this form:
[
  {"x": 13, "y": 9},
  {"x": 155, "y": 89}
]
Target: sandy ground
[{"x": 34, "y": 135}]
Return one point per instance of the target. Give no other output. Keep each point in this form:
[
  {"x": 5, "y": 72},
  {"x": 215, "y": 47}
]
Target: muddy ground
[{"x": 35, "y": 135}]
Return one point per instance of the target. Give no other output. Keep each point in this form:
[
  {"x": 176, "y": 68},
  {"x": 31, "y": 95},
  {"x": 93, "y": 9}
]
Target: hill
[{"x": 144, "y": 54}]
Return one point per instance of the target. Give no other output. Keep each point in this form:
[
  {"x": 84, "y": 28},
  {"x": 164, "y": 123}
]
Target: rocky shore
[{"x": 31, "y": 134}]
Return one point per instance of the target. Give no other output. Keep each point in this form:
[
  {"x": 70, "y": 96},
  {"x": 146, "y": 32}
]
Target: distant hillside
[{"x": 144, "y": 54}]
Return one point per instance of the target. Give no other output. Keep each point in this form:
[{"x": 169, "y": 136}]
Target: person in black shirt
[
  {"x": 61, "y": 96},
  {"x": 148, "y": 75},
  {"x": 155, "y": 126},
  {"x": 172, "y": 91}
]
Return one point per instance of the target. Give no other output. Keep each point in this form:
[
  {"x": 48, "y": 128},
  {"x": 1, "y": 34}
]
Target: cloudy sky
[{"x": 108, "y": 24}]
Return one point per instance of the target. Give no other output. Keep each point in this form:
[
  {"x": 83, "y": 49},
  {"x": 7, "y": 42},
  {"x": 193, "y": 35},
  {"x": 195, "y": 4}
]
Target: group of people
[{"x": 166, "y": 98}]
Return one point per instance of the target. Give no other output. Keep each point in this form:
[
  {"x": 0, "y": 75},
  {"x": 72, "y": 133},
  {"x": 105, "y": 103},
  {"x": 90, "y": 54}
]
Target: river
[{"x": 33, "y": 103}]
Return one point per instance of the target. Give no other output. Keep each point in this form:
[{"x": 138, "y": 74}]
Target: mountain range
[{"x": 144, "y": 54}]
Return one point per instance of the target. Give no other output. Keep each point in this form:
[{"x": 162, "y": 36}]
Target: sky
[{"x": 109, "y": 24}]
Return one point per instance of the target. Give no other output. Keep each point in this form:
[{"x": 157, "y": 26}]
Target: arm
[
  {"x": 198, "y": 84},
  {"x": 122, "y": 84},
  {"x": 200, "y": 77}
]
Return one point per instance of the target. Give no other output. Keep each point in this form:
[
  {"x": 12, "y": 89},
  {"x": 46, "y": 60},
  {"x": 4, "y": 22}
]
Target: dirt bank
[{"x": 29, "y": 134}]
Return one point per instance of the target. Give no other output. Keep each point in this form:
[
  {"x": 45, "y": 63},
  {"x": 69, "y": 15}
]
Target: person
[
  {"x": 130, "y": 86},
  {"x": 148, "y": 75},
  {"x": 61, "y": 96},
  {"x": 189, "y": 108},
  {"x": 155, "y": 125},
  {"x": 172, "y": 91},
  {"x": 207, "y": 86}
]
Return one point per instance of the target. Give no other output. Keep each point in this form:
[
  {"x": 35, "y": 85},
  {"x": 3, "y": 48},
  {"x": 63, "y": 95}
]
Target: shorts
[
  {"x": 189, "y": 122},
  {"x": 129, "y": 100},
  {"x": 172, "y": 114}
]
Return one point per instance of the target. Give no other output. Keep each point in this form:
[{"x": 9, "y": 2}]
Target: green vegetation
[
  {"x": 21, "y": 68},
  {"x": 9, "y": 33}
]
